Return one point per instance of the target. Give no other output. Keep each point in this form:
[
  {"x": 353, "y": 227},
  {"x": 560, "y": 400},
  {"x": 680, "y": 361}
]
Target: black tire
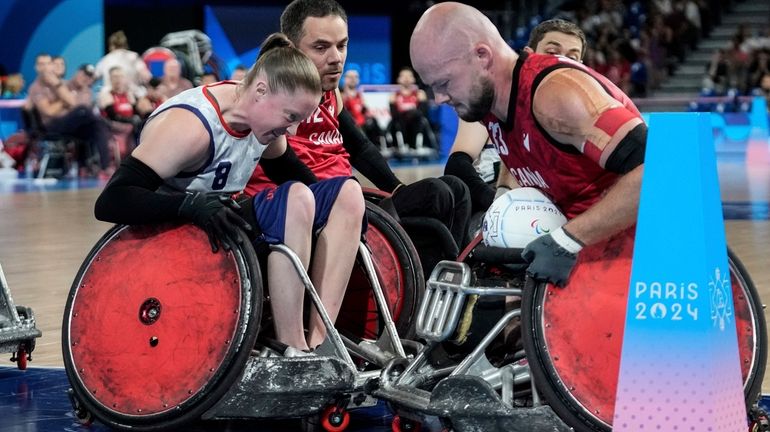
[
  {"x": 409, "y": 292},
  {"x": 245, "y": 335},
  {"x": 752, "y": 387}
]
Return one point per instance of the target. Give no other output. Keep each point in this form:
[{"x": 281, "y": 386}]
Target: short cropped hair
[
  {"x": 557, "y": 25},
  {"x": 294, "y": 16}
]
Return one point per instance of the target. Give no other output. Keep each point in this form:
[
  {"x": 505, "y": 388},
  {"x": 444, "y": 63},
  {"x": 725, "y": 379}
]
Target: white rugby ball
[{"x": 518, "y": 217}]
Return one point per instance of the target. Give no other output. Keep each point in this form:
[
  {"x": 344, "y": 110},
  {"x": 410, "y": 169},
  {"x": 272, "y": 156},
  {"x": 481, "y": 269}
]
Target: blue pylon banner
[{"x": 679, "y": 368}]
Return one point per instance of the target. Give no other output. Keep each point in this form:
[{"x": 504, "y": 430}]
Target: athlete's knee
[
  {"x": 350, "y": 200},
  {"x": 458, "y": 187},
  {"x": 428, "y": 197},
  {"x": 439, "y": 193},
  {"x": 301, "y": 205}
]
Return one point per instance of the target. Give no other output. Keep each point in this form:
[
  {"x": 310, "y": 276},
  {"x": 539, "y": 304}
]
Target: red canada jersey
[
  {"x": 318, "y": 144},
  {"x": 574, "y": 180},
  {"x": 407, "y": 102},
  {"x": 355, "y": 106}
]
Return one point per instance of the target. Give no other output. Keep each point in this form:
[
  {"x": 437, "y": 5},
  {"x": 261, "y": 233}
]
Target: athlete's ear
[
  {"x": 260, "y": 88},
  {"x": 483, "y": 53},
  {"x": 528, "y": 50}
]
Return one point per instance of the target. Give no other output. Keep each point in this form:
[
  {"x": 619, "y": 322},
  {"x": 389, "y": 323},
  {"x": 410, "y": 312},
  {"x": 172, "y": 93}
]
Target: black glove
[
  {"x": 215, "y": 214},
  {"x": 552, "y": 257}
]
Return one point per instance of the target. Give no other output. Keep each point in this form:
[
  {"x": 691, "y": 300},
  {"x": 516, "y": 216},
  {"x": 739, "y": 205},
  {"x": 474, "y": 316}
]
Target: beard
[{"x": 480, "y": 102}]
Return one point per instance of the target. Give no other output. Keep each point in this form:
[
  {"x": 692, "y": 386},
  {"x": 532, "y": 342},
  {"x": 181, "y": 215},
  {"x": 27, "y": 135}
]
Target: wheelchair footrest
[
  {"x": 472, "y": 405},
  {"x": 275, "y": 387},
  {"x": 443, "y": 300}
]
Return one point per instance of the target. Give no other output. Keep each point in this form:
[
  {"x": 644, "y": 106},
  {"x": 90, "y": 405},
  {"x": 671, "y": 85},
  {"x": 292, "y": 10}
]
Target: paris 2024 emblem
[{"x": 721, "y": 309}]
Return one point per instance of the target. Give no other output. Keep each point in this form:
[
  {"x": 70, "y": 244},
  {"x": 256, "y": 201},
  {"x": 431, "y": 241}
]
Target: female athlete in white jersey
[{"x": 201, "y": 146}]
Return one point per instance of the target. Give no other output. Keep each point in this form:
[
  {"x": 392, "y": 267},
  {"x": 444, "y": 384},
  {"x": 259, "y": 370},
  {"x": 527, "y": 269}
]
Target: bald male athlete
[
  {"x": 556, "y": 37},
  {"x": 557, "y": 125}
]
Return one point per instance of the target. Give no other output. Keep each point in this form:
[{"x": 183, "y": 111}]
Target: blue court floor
[{"x": 36, "y": 400}]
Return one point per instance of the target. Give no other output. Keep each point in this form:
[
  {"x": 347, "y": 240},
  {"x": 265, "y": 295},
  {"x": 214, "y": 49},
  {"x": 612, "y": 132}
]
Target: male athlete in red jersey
[
  {"x": 353, "y": 101},
  {"x": 329, "y": 142},
  {"x": 480, "y": 171},
  {"x": 557, "y": 125},
  {"x": 408, "y": 107}
]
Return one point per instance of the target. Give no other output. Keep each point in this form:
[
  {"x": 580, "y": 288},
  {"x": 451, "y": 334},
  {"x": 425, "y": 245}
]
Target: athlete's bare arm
[
  {"x": 340, "y": 104},
  {"x": 173, "y": 142},
  {"x": 505, "y": 179},
  {"x": 470, "y": 138},
  {"x": 574, "y": 109}
]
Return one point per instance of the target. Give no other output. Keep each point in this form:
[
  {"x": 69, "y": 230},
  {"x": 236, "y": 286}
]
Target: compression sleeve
[
  {"x": 287, "y": 167},
  {"x": 364, "y": 155},
  {"x": 130, "y": 196},
  {"x": 629, "y": 153},
  {"x": 460, "y": 164}
]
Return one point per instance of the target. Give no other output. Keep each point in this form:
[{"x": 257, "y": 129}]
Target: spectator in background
[
  {"x": 59, "y": 66},
  {"x": 119, "y": 108},
  {"x": 639, "y": 79},
  {"x": 738, "y": 61},
  {"x": 353, "y": 101},
  {"x": 14, "y": 87},
  {"x": 759, "y": 67},
  {"x": 129, "y": 61},
  {"x": 172, "y": 83},
  {"x": 118, "y": 105},
  {"x": 238, "y": 73},
  {"x": 617, "y": 70},
  {"x": 409, "y": 109},
  {"x": 81, "y": 85},
  {"x": 717, "y": 72},
  {"x": 209, "y": 78},
  {"x": 67, "y": 109},
  {"x": 153, "y": 99}
]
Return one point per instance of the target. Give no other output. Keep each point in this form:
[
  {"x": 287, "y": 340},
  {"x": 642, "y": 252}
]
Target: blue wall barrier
[
  {"x": 679, "y": 365},
  {"x": 73, "y": 29}
]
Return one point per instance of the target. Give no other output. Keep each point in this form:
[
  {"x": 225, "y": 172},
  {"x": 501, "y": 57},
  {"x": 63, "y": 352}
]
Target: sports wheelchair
[
  {"x": 540, "y": 361},
  {"x": 159, "y": 332},
  {"x": 148, "y": 350},
  {"x": 17, "y": 327}
]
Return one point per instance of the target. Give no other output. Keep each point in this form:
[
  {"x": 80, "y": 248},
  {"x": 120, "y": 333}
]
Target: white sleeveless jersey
[
  {"x": 485, "y": 164},
  {"x": 232, "y": 156}
]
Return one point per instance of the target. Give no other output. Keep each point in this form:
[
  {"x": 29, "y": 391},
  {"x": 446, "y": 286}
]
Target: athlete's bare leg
[
  {"x": 286, "y": 290},
  {"x": 334, "y": 255}
]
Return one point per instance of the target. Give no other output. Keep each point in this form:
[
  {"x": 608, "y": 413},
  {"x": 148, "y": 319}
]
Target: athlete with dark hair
[{"x": 329, "y": 142}]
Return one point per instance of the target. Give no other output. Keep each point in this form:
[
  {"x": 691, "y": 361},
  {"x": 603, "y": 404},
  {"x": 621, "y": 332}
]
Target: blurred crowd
[
  {"x": 638, "y": 44},
  {"x": 96, "y": 115},
  {"x": 742, "y": 66}
]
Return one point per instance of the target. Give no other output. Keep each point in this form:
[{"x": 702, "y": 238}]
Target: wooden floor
[{"x": 45, "y": 235}]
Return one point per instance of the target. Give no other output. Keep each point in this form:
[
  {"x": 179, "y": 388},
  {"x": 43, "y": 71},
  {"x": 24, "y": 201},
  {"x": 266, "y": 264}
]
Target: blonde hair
[
  {"x": 117, "y": 40},
  {"x": 285, "y": 67}
]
